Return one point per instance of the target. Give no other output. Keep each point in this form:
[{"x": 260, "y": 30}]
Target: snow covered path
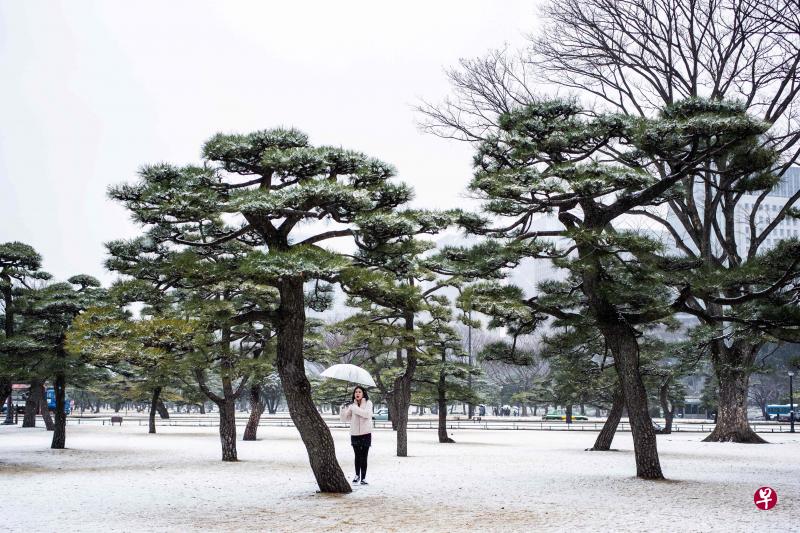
[{"x": 122, "y": 479}]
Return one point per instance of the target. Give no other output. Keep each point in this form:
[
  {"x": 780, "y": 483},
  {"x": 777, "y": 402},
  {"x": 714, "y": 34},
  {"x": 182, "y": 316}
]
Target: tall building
[{"x": 767, "y": 210}]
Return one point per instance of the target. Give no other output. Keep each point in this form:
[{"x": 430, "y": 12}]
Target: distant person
[{"x": 359, "y": 414}]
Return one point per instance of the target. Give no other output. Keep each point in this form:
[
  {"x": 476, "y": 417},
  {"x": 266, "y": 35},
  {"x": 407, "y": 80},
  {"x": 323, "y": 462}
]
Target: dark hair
[{"x": 363, "y": 391}]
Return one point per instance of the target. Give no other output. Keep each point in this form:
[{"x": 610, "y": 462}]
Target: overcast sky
[{"x": 90, "y": 91}]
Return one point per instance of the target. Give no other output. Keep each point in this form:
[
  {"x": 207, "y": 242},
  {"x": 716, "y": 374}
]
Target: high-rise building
[
  {"x": 767, "y": 210},
  {"x": 763, "y": 211}
]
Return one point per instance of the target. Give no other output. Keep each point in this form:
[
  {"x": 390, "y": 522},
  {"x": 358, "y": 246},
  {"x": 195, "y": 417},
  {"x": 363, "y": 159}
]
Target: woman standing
[{"x": 359, "y": 414}]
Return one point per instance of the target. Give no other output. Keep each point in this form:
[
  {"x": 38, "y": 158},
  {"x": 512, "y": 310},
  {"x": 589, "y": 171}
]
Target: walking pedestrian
[{"x": 359, "y": 414}]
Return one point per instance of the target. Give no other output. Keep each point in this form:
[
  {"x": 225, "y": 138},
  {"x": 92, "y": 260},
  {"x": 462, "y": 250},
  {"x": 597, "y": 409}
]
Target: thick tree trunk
[
  {"x": 732, "y": 424},
  {"x": 60, "y": 432},
  {"x": 402, "y": 398},
  {"x": 256, "y": 410},
  {"x": 569, "y": 413},
  {"x": 203, "y": 408},
  {"x": 402, "y": 388},
  {"x": 603, "y": 441},
  {"x": 621, "y": 339},
  {"x": 5, "y": 394},
  {"x": 32, "y": 405},
  {"x": 154, "y": 408},
  {"x": 442, "y": 401},
  {"x": 623, "y": 344},
  {"x": 312, "y": 428},
  {"x": 227, "y": 429},
  {"x": 162, "y": 410}
]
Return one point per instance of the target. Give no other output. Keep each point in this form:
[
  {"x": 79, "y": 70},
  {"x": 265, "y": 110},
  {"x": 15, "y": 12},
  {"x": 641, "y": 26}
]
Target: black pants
[{"x": 361, "y": 444}]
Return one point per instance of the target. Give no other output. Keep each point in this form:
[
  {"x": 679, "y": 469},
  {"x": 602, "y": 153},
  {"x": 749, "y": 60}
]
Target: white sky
[{"x": 90, "y": 91}]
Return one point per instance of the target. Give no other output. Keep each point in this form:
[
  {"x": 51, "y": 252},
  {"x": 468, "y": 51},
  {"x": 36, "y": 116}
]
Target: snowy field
[{"x": 122, "y": 479}]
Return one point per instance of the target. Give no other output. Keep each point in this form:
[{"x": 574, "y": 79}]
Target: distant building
[{"x": 768, "y": 209}]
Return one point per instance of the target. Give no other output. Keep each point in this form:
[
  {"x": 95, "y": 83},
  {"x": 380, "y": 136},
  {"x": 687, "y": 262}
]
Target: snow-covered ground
[{"x": 122, "y": 479}]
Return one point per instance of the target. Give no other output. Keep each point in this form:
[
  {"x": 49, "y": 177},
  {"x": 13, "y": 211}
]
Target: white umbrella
[{"x": 351, "y": 373}]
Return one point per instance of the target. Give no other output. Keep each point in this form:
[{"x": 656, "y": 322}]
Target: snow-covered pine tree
[
  {"x": 551, "y": 158},
  {"x": 286, "y": 197}
]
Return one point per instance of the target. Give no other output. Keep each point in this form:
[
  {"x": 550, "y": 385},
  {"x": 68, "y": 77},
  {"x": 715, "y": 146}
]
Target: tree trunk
[
  {"x": 256, "y": 410},
  {"x": 622, "y": 341},
  {"x": 732, "y": 424},
  {"x": 5, "y": 394},
  {"x": 669, "y": 417},
  {"x": 442, "y": 401},
  {"x": 153, "y": 409},
  {"x": 203, "y": 408},
  {"x": 626, "y": 356},
  {"x": 32, "y": 404},
  {"x": 44, "y": 410},
  {"x": 60, "y": 432},
  {"x": 312, "y": 428},
  {"x": 392, "y": 410},
  {"x": 402, "y": 391},
  {"x": 402, "y": 388},
  {"x": 272, "y": 406},
  {"x": 669, "y": 411},
  {"x": 569, "y": 413},
  {"x": 162, "y": 410},
  {"x": 227, "y": 429},
  {"x": 603, "y": 442}
]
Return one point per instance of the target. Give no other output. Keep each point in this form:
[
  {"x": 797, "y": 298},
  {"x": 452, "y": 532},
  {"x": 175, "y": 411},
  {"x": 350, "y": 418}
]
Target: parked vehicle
[
  {"x": 779, "y": 412},
  {"x": 19, "y": 396},
  {"x": 381, "y": 414},
  {"x": 50, "y": 395}
]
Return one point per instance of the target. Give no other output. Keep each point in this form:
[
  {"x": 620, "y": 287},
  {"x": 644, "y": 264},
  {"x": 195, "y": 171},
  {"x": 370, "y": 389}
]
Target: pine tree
[
  {"x": 449, "y": 374},
  {"x": 205, "y": 283},
  {"x": 19, "y": 266},
  {"x": 271, "y": 183},
  {"x": 396, "y": 284},
  {"x": 546, "y": 158},
  {"x": 49, "y": 313},
  {"x": 148, "y": 351}
]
